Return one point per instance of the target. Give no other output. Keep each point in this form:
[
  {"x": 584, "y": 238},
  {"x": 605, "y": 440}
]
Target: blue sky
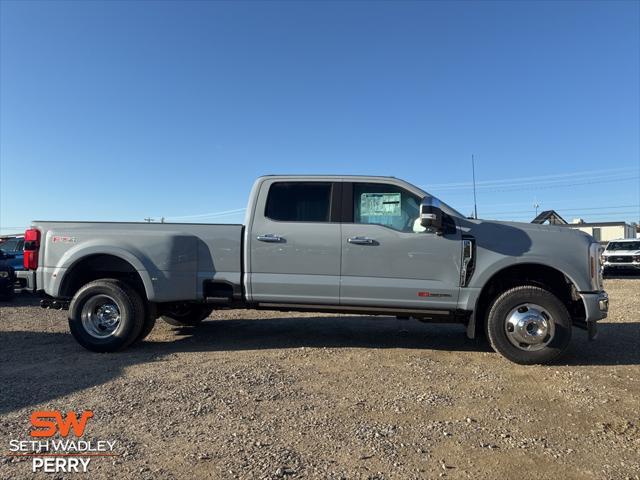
[{"x": 123, "y": 110}]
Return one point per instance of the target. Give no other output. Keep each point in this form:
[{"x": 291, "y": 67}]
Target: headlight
[
  {"x": 4, "y": 274},
  {"x": 636, "y": 258}
]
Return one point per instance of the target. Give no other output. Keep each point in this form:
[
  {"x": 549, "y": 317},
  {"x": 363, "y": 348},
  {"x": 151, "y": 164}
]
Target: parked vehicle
[
  {"x": 7, "y": 276},
  {"x": 13, "y": 245},
  {"x": 369, "y": 245},
  {"x": 621, "y": 254}
]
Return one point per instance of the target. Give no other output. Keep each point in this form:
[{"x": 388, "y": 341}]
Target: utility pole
[
  {"x": 148, "y": 219},
  {"x": 473, "y": 170},
  {"x": 536, "y": 205}
]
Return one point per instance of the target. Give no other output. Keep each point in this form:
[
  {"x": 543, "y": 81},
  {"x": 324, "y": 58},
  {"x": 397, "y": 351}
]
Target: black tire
[
  {"x": 521, "y": 299},
  {"x": 187, "y": 315},
  {"x": 130, "y": 319},
  {"x": 149, "y": 322}
]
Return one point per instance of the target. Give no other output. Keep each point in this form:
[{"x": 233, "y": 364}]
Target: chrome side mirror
[{"x": 430, "y": 214}]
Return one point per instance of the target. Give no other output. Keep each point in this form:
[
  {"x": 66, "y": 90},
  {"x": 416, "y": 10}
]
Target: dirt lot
[{"x": 270, "y": 395}]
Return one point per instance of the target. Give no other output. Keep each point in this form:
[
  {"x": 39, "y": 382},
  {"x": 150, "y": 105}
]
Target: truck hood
[{"x": 525, "y": 237}]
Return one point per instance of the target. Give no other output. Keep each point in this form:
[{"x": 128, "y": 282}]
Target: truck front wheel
[
  {"x": 106, "y": 315},
  {"x": 528, "y": 325},
  {"x": 186, "y": 315}
]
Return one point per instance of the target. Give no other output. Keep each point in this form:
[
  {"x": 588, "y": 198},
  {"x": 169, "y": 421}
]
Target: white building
[
  {"x": 601, "y": 231},
  {"x": 606, "y": 231}
]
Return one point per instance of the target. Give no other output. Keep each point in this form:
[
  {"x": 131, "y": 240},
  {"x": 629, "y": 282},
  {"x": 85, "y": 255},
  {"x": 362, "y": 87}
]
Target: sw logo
[
  {"x": 51, "y": 422},
  {"x": 60, "y": 454}
]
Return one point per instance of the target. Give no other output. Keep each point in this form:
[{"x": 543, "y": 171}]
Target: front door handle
[
  {"x": 362, "y": 241},
  {"x": 270, "y": 237}
]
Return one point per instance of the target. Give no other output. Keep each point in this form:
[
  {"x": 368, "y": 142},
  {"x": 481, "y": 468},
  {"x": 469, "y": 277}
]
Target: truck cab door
[
  {"x": 294, "y": 243},
  {"x": 388, "y": 259}
]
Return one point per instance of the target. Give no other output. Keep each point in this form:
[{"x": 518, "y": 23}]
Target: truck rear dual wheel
[
  {"x": 528, "y": 325},
  {"x": 108, "y": 315},
  {"x": 186, "y": 315}
]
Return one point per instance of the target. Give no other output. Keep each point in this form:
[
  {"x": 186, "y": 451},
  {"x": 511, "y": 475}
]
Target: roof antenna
[{"x": 473, "y": 169}]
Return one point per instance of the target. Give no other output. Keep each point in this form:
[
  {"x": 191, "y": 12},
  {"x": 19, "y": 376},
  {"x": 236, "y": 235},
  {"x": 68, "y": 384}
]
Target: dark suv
[
  {"x": 7, "y": 276},
  {"x": 14, "y": 246}
]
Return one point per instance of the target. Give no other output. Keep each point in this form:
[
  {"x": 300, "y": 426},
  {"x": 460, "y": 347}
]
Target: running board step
[{"x": 393, "y": 311}]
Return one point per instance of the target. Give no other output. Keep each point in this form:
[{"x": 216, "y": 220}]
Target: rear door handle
[
  {"x": 270, "y": 237},
  {"x": 362, "y": 241}
]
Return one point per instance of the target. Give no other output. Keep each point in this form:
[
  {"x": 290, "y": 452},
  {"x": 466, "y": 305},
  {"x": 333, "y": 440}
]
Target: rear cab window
[{"x": 299, "y": 202}]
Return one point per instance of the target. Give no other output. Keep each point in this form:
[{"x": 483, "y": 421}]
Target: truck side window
[
  {"x": 387, "y": 205},
  {"x": 299, "y": 202}
]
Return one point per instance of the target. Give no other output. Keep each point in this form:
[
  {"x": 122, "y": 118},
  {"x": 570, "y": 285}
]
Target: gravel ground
[{"x": 271, "y": 395}]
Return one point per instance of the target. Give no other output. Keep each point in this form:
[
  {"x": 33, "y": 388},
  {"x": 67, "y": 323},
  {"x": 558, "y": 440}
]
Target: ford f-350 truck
[{"x": 347, "y": 244}]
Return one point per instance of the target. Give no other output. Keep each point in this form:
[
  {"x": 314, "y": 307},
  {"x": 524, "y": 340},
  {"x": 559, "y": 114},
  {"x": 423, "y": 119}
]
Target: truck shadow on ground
[
  {"x": 20, "y": 301},
  {"x": 39, "y": 367},
  {"x": 617, "y": 343},
  {"x": 321, "y": 332}
]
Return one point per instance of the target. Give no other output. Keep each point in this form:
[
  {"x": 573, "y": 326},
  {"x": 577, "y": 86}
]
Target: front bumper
[
  {"x": 635, "y": 266},
  {"x": 596, "y": 307}
]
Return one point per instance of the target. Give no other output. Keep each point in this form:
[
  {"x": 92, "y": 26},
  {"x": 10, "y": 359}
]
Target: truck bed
[{"x": 173, "y": 259}]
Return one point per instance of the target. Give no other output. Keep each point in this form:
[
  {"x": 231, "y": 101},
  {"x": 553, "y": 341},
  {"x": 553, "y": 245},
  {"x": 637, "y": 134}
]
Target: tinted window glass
[
  {"x": 11, "y": 244},
  {"x": 299, "y": 202},
  {"x": 386, "y": 205}
]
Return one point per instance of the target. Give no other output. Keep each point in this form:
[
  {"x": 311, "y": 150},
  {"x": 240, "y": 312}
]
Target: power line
[
  {"x": 212, "y": 214},
  {"x": 571, "y": 209},
  {"x": 529, "y": 179},
  {"x": 591, "y": 216},
  {"x": 554, "y": 185},
  {"x": 210, "y": 217},
  {"x": 550, "y": 183},
  {"x": 501, "y": 185}
]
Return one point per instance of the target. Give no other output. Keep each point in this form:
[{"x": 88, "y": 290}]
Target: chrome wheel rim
[
  {"x": 100, "y": 316},
  {"x": 529, "y": 327}
]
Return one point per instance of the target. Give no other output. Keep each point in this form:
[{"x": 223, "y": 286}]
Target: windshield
[{"x": 623, "y": 246}]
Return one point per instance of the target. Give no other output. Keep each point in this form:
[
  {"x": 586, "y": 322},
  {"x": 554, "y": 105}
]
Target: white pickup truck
[
  {"x": 350, "y": 244},
  {"x": 623, "y": 254}
]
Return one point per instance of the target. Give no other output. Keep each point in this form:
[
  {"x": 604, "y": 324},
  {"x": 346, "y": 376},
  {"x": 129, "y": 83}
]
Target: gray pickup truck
[{"x": 347, "y": 244}]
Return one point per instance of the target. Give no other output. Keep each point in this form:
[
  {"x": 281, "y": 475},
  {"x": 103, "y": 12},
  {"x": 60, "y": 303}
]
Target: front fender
[{"x": 484, "y": 273}]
